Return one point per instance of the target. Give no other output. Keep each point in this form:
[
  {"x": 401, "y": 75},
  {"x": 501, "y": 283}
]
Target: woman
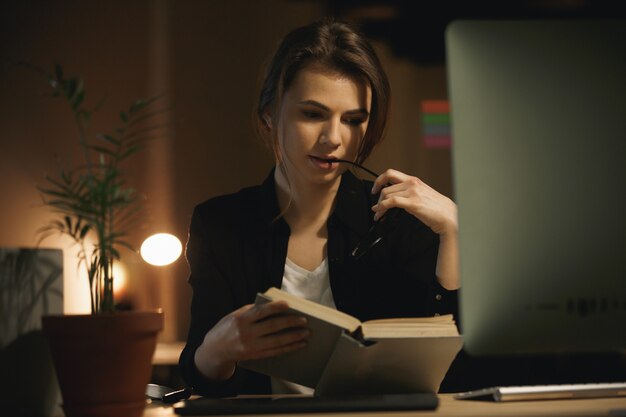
[{"x": 325, "y": 96}]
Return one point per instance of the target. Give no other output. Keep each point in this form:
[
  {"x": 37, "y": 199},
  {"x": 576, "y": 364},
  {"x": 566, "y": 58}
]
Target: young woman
[{"x": 325, "y": 97}]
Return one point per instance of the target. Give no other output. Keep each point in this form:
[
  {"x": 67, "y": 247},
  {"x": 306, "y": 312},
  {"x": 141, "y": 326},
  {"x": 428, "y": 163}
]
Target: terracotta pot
[{"x": 103, "y": 362}]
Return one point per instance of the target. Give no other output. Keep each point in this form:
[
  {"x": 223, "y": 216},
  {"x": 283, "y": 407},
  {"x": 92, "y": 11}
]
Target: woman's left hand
[{"x": 411, "y": 194}]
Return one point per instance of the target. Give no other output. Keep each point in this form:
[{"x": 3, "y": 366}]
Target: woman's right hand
[{"x": 251, "y": 332}]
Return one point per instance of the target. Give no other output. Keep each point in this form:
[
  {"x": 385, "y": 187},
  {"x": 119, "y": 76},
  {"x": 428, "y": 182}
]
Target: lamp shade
[{"x": 161, "y": 249}]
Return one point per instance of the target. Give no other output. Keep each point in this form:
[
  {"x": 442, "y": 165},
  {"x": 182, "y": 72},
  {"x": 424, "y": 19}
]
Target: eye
[
  {"x": 355, "y": 121},
  {"x": 311, "y": 114}
]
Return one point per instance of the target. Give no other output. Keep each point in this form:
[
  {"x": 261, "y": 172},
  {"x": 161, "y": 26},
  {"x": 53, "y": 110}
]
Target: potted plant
[{"x": 102, "y": 359}]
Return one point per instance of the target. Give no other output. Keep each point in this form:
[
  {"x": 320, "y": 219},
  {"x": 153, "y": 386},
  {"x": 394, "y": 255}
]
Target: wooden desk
[{"x": 448, "y": 407}]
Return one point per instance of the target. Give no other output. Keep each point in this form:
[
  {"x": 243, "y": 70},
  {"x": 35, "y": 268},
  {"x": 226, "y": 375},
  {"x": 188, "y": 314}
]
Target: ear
[{"x": 267, "y": 121}]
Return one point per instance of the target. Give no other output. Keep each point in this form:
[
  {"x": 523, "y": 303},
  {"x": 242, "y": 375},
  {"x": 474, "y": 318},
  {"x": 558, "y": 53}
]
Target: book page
[
  {"x": 438, "y": 326},
  {"x": 343, "y": 320},
  {"x": 446, "y": 318},
  {"x": 408, "y": 331}
]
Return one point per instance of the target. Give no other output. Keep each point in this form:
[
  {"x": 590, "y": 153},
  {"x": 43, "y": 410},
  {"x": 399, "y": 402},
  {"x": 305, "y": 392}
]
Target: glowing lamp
[
  {"x": 161, "y": 249},
  {"x": 119, "y": 280}
]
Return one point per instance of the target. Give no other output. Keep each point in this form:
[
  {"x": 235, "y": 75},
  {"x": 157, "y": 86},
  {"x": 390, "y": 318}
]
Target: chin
[
  {"x": 327, "y": 177},
  {"x": 313, "y": 175}
]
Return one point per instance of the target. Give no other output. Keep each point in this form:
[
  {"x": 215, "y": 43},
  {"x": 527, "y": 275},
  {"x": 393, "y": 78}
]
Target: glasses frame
[{"x": 377, "y": 231}]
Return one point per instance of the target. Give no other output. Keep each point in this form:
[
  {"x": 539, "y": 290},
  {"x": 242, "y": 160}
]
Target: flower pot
[{"x": 103, "y": 362}]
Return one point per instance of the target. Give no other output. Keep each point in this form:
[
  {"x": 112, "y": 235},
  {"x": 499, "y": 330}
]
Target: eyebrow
[{"x": 325, "y": 108}]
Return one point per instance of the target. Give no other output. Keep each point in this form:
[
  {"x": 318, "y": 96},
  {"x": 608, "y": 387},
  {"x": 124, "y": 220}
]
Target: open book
[{"x": 347, "y": 356}]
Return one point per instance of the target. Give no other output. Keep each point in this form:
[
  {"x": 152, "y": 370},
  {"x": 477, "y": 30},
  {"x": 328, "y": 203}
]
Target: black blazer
[{"x": 238, "y": 245}]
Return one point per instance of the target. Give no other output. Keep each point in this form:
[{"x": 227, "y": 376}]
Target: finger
[
  {"x": 410, "y": 187},
  {"x": 280, "y": 323},
  {"x": 382, "y": 181},
  {"x": 396, "y": 201},
  {"x": 283, "y": 338},
  {"x": 248, "y": 340},
  {"x": 391, "y": 190},
  {"x": 280, "y": 350},
  {"x": 390, "y": 176},
  {"x": 253, "y": 344},
  {"x": 262, "y": 311},
  {"x": 397, "y": 190}
]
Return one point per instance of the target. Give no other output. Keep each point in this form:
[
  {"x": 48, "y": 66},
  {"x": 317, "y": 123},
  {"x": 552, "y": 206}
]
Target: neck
[{"x": 305, "y": 202}]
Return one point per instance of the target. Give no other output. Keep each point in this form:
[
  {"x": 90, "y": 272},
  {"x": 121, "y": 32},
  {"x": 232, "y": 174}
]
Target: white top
[{"x": 310, "y": 285}]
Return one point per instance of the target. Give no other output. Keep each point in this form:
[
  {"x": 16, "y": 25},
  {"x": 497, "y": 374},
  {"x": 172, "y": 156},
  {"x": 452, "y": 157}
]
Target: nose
[{"x": 331, "y": 134}]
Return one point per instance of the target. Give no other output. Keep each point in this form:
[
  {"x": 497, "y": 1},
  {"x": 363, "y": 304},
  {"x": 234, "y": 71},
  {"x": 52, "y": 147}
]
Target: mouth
[{"x": 323, "y": 162}]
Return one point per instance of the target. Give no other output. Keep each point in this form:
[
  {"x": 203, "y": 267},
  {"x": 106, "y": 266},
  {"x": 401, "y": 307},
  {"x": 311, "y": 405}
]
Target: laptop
[{"x": 300, "y": 404}]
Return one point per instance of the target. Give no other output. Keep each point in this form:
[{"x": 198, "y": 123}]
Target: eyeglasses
[{"x": 378, "y": 230}]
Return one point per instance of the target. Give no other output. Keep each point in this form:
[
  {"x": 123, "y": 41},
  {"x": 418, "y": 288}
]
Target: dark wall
[{"x": 205, "y": 58}]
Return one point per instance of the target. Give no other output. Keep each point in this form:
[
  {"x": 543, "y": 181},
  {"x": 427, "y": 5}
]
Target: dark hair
[{"x": 339, "y": 47}]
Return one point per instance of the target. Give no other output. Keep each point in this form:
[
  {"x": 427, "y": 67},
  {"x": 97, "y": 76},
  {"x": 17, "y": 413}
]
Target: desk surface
[{"x": 613, "y": 407}]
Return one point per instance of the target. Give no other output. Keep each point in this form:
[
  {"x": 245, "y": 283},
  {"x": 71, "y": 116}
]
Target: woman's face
[{"x": 323, "y": 114}]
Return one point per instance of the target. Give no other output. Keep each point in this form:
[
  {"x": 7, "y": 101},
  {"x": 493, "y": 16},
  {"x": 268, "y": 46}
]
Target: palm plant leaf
[{"x": 92, "y": 199}]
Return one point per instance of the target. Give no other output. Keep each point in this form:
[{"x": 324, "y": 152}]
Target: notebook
[{"x": 299, "y": 404}]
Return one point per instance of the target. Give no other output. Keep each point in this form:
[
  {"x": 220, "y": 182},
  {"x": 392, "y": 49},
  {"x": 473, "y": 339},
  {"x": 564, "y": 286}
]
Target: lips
[{"x": 322, "y": 161}]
